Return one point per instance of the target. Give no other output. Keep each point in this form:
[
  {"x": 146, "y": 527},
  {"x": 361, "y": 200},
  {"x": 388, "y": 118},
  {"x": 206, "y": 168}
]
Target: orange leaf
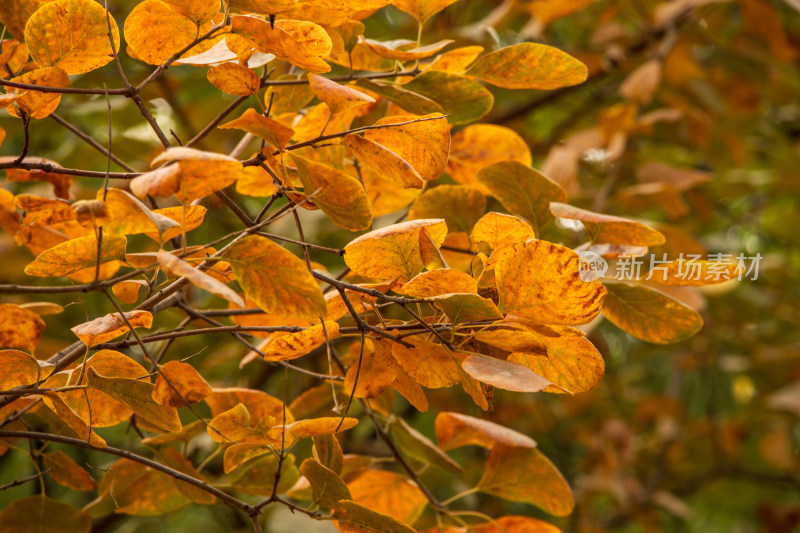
[
  {"x": 72, "y": 35},
  {"x": 422, "y": 10},
  {"x": 181, "y": 268},
  {"x": 338, "y": 97},
  {"x": 301, "y": 43},
  {"x": 440, "y": 281},
  {"x": 190, "y": 216},
  {"x": 454, "y": 430},
  {"x": 388, "y": 493},
  {"x": 61, "y": 182},
  {"x": 111, "y": 326},
  {"x": 529, "y": 66},
  {"x": 499, "y": 230},
  {"x": 376, "y": 371},
  {"x": 41, "y": 513},
  {"x": 128, "y": 291},
  {"x": 302, "y": 429},
  {"x": 128, "y": 216},
  {"x": 404, "y": 50},
  {"x": 540, "y": 281},
  {"x": 38, "y": 104},
  {"x": 19, "y": 328},
  {"x": 503, "y": 374},
  {"x": 272, "y": 131},
  {"x": 185, "y": 385},
  {"x": 293, "y": 345},
  {"x": 381, "y": 159},
  {"x": 424, "y": 145},
  {"x": 199, "y": 11},
  {"x": 259, "y": 404},
  {"x": 459, "y": 206},
  {"x": 517, "y": 524},
  {"x": 65, "y": 471},
  {"x": 609, "y": 229},
  {"x": 429, "y": 364},
  {"x": 231, "y": 78},
  {"x": 76, "y": 254},
  {"x": 154, "y": 32}
]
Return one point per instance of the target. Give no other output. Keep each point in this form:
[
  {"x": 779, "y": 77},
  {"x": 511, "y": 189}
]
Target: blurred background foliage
[{"x": 701, "y": 436}]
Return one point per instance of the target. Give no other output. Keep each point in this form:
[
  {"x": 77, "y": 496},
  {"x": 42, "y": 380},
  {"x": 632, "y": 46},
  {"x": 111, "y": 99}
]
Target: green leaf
[
  {"x": 462, "y": 99},
  {"x": 326, "y": 485}
]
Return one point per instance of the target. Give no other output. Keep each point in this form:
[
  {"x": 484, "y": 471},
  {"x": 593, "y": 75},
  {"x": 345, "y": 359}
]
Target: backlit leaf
[
  {"x": 504, "y": 374},
  {"x": 422, "y": 10},
  {"x": 128, "y": 291},
  {"x": 649, "y": 315},
  {"x": 416, "y": 445},
  {"x": 71, "y": 35},
  {"x": 65, "y": 471},
  {"x": 129, "y": 216},
  {"x": 15, "y": 13},
  {"x": 429, "y": 364},
  {"x": 353, "y": 517},
  {"x": 466, "y": 307},
  {"x": 185, "y": 385},
  {"x": 517, "y": 524},
  {"x": 404, "y": 50},
  {"x": 19, "y": 328},
  {"x": 154, "y": 32},
  {"x": 381, "y": 159},
  {"x": 338, "y": 195},
  {"x": 525, "y": 475},
  {"x": 457, "y": 60},
  {"x": 71, "y": 420},
  {"x": 266, "y": 7},
  {"x": 301, "y": 43},
  {"x": 190, "y": 217},
  {"x": 540, "y": 281},
  {"x": 376, "y": 371},
  {"x": 137, "y": 395},
  {"x": 111, "y": 326},
  {"x": 388, "y": 493},
  {"x": 424, "y": 145},
  {"x": 272, "y": 131},
  {"x": 522, "y": 190},
  {"x": 231, "y": 78},
  {"x": 529, "y": 66},
  {"x": 76, "y": 254},
  {"x": 440, "y": 281},
  {"x": 302, "y": 429},
  {"x": 570, "y": 362},
  {"x": 38, "y": 104},
  {"x": 393, "y": 251},
  {"x": 199, "y": 174},
  {"x": 259, "y": 404},
  {"x": 499, "y": 230},
  {"x": 199, "y": 11},
  {"x": 275, "y": 279}
]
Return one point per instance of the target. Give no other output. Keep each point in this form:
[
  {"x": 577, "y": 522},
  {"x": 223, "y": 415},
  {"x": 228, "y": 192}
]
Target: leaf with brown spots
[
  {"x": 181, "y": 268},
  {"x": 19, "y": 328},
  {"x": 424, "y": 145},
  {"x": 540, "y": 281},
  {"x": 287, "y": 346},
  {"x": 440, "y": 281},
  {"x": 529, "y": 66}
]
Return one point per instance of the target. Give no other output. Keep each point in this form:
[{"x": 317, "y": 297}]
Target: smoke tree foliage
[{"x": 341, "y": 261}]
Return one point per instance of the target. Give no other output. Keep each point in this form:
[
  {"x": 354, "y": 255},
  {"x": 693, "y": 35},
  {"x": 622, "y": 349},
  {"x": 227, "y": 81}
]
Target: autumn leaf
[
  {"x": 499, "y": 230},
  {"x": 649, "y": 315},
  {"x": 110, "y": 326},
  {"x": 462, "y": 99},
  {"x": 506, "y": 375},
  {"x": 77, "y": 254},
  {"x": 454, "y": 430},
  {"x": 272, "y": 131},
  {"x": 404, "y": 50},
  {"x": 338, "y": 97},
  {"x": 154, "y": 31},
  {"x": 429, "y": 364},
  {"x": 41, "y": 513},
  {"x": 35, "y": 103},
  {"x": 529, "y": 66},
  {"x": 181, "y": 268},
  {"x": 328, "y": 488},
  {"x": 231, "y": 78},
  {"x": 416, "y": 445},
  {"x": 19, "y": 328},
  {"x": 283, "y": 347},
  {"x": 459, "y": 206},
  {"x": 71, "y": 420},
  {"x": 301, "y": 43},
  {"x": 422, "y": 10},
  {"x": 129, "y": 216},
  {"x": 540, "y": 280},
  {"x": 609, "y": 229},
  {"x": 185, "y": 385},
  {"x": 275, "y": 279},
  {"x": 65, "y": 471},
  {"x": 438, "y": 282},
  {"x": 381, "y": 159},
  {"x": 423, "y": 144},
  {"x": 388, "y": 493},
  {"x": 71, "y": 35}
]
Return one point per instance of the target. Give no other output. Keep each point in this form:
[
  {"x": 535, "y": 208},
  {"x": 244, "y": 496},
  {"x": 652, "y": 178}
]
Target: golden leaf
[
  {"x": 185, "y": 385},
  {"x": 231, "y": 78},
  {"x": 529, "y": 66},
  {"x": 338, "y": 97},
  {"x": 609, "y": 229},
  {"x": 382, "y": 160},
  {"x": 20, "y": 328},
  {"x": 34, "y": 103},
  {"x": 454, "y": 430},
  {"x": 424, "y": 145},
  {"x": 499, "y": 230},
  {"x": 480, "y": 145},
  {"x": 283, "y": 347},
  {"x": 154, "y": 32},
  {"x": 76, "y": 254},
  {"x": 111, "y": 326},
  {"x": 269, "y": 129}
]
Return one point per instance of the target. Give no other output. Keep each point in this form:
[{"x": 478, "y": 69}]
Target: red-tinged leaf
[
  {"x": 36, "y": 514},
  {"x": 185, "y": 385},
  {"x": 540, "y": 281},
  {"x": 19, "y": 328},
  {"x": 609, "y": 229},
  {"x": 529, "y": 66},
  {"x": 454, "y": 430},
  {"x": 526, "y": 475},
  {"x": 77, "y": 254},
  {"x": 138, "y": 396},
  {"x": 111, "y": 326},
  {"x": 649, "y": 315}
]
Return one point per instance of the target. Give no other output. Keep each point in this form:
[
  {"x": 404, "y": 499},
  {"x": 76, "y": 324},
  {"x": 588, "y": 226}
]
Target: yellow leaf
[
  {"x": 14, "y": 15},
  {"x": 328, "y": 488},
  {"x": 71, "y": 419},
  {"x": 466, "y": 307},
  {"x": 154, "y": 32},
  {"x": 272, "y": 131},
  {"x": 404, "y": 50},
  {"x": 181, "y": 268},
  {"x": 393, "y": 251},
  {"x": 185, "y": 385},
  {"x": 352, "y": 517},
  {"x": 388, "y": 493},
  {"x": 61, "y": 182},
  {"x": 72, "y": 35},
  {"x": 20, "y": 328},
  {"x": 302, "y": 429},
  {"x": 650, "y": 315},
  {"x": 238, "y": 454},
  {"x": 526, "y": 475},
  {"x": 43, "y": 308},
  {"x": 255, "y": 181},
  {"x": 338, "y": 97},
  {"x": 457, "y": 60},
  {"x": 441, "y": 281},
  {"x": 164, "y": 181},
  {"x": 338, "y": 195},
  {"x": 301, "y": 43},
  {"x": 76, "y": 254},
  {"x": 424, "y": 145},
  {"x": 385, "y": 194},
  {"x": 517, "y": 524},
  {"x": 259, "y": 404},
  {"x": 41, "y": 513},
  {"x": 431, "y": 365},
  {"x": 382, "y": 160},
  {"x": 335, "y": 13},
  {"x": 522, "y": 190},
  {"x": 129, "y": 216},
  {"x": 695, "y": 273},
  {"x": 499, "y": 230},
  {"x": 275, "y": 279},
  {"x": 529, "y": 66},
  {"x": 128, "y": 291},
  {"x": 231, "y": 78},
  {"x": 293, "y": 345},
  {"x": 190, "y": 216},
  {"x": 459, "y": 206},
  {"x": 376, "y": 371},
  {"x": 454, "y": 430},
  {"x": 199, "y": 11},
  {"x": 236, "y": 425},
  {"x": 16, "y": 368},
  {"x": 38, "y": 104},
  {"x": 288, "y": 98},
  {"x": 609, "y": 229},
  {"x": 137, "y": 395},
  {"x": 461, "y": 98},
  {"x": 266, "y": 7},
  {"x": 111, "y": 326},
  {"x": 94, "y": 406},
  {"x": 135, "y": 489},
  {"x": 480, "y": 145},
  {"x": 540, "y": 280},
  {"x": 422, "y": 10}
]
